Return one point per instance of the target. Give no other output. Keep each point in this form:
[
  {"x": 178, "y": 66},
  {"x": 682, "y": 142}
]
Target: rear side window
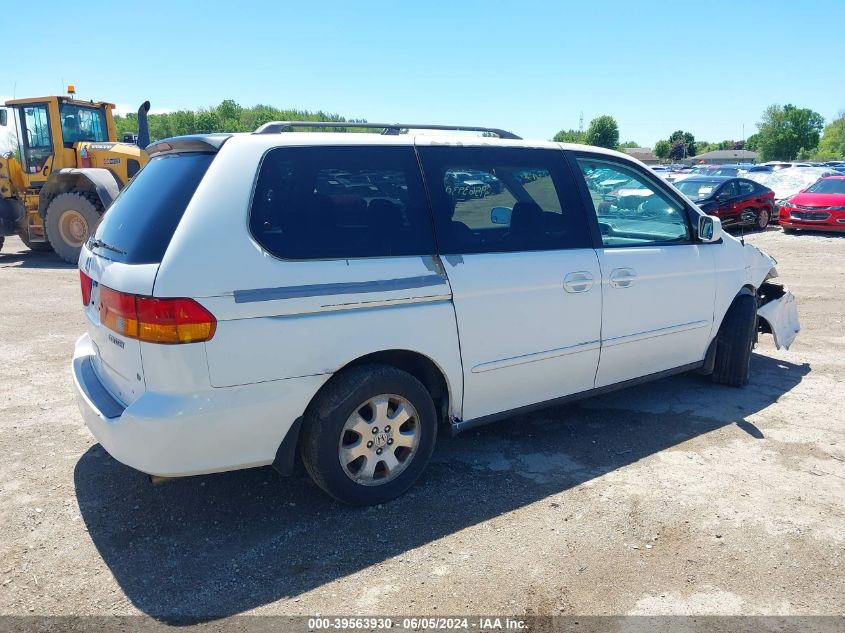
[
  {"x": 747, "y": 188},
  {"x": 138, "y": 226},
  {"x": 341, "y": 203}
]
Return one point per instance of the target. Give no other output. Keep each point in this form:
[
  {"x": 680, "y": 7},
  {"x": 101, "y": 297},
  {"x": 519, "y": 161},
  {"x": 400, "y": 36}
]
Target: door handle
[
  {"x": 580, "y": 281},
  {"x": 623, "y": 277}
]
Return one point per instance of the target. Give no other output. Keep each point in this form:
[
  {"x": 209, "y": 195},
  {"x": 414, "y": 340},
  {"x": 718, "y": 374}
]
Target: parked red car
[
  {"x": 820, "y": 207},
  {"x": 734, "y": 201}
]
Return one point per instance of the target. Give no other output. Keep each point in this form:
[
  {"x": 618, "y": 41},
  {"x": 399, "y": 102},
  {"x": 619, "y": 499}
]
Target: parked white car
[{"x": 254, "y": 297}]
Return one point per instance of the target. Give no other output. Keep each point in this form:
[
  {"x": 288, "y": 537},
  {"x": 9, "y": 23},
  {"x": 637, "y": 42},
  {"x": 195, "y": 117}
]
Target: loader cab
[{"x": 48, "y": 129}]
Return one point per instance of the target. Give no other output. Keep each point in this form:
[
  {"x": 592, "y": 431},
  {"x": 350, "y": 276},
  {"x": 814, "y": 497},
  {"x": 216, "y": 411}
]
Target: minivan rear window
[
  {"x": 138, "y": 226},
  {"x": 345, "y": 202}
]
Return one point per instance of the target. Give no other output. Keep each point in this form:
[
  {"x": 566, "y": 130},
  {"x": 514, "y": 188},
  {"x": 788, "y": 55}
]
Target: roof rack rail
[{"x": 275, "y": 127}]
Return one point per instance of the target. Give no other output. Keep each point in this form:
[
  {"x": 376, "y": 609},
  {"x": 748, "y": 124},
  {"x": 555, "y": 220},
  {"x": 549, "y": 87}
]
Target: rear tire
[
  {"x": 71, "y": 218},
  {"x": 762, "y": 219},
  {"x": 735, "y": 341},
  {"x": 344, "y": 462}
]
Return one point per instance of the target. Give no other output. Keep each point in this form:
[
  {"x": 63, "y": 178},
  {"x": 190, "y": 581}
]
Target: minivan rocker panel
[{"x": 211, "y": 349}]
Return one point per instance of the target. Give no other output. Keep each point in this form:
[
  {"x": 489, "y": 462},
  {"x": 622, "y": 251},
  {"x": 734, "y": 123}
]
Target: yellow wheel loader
[{"x": 68, "y": 169}]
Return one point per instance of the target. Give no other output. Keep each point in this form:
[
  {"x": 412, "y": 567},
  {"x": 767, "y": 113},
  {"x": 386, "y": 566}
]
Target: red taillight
[
  {"x": 85, "y": 282},
  {"x": 165, "y": 321}
]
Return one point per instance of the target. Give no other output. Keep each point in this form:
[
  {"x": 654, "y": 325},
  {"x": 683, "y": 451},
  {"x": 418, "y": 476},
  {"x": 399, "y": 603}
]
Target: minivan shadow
[{"x": 203, "y": 548}]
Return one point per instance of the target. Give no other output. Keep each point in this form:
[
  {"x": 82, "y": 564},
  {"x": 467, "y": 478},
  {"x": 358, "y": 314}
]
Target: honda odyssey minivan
[{"x": 254, "y": 299}]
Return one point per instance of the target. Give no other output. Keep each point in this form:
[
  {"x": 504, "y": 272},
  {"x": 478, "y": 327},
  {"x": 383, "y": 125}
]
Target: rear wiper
[{"x": 95, "y": 243}]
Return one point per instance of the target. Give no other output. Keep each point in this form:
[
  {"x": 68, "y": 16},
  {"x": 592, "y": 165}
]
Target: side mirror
[
  {"x": 709, "y": 229},
  {"x": 501, "y": 215},
  {"x": 4, "y": 117}
]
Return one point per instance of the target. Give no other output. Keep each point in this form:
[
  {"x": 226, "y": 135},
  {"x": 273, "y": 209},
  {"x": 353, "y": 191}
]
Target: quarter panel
[{"x": 252, "y": 350}]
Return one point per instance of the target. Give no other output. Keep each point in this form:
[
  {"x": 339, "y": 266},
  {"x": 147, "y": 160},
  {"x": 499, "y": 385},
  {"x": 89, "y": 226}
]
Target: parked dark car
[
  {"x": 757, "y": 169},
  {"x": 735, "y": 201},
  {"x": 729, "y": 170}
]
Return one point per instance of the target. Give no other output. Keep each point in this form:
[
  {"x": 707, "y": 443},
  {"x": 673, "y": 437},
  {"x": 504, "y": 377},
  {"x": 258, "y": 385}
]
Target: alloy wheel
[
  {"x": 762, "y": 219},
  {"x": 379, "y": 439}
]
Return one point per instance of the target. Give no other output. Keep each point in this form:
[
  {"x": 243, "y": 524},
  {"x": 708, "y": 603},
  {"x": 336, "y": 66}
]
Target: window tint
[
  {"x": 143, "y": 218},
  {"x": 746, "y": 188},
  {"x": 727, "y": 191},
  {"x": 725, "y": 171},
  {"x": 37, "y": 140},
  {"x": 341, "y": 202},
  {"x": 827, "y": 185},
  {"x": 632, "y": 209},
  {"x": 501, "y": 200},
  {"x": 81, "y": 123},
  {"x": 697, "y": 189}
]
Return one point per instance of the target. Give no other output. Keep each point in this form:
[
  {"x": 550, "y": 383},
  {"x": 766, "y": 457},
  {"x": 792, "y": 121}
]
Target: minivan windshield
[{"x": 138, "y": 226}]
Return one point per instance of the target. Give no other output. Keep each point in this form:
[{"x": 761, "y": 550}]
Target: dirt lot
[{"x": 671, "y": 498}]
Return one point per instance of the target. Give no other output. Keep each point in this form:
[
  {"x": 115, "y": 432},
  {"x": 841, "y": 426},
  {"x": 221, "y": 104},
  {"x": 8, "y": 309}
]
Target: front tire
[
  {"x": 369, "y": 434},
  {"x": 71, "y": 218},
  {"x": 735, "y": 341}
]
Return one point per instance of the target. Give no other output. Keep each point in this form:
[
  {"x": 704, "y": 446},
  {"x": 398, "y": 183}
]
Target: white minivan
[{"x": 337, "y": 296}]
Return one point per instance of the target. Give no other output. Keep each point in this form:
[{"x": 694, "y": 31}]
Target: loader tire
[
  {"x": 734, "y": 342},
  {"x": 71, "y": 218}
]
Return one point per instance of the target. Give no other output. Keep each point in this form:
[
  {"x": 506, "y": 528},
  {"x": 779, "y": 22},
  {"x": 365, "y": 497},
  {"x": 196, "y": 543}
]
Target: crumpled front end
[
  {"x": 778, "y": 314},
  {"x": 777, "y": 308}
]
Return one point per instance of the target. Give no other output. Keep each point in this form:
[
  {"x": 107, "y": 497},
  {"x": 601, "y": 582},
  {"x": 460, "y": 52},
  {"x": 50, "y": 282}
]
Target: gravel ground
[{"x": 677, "y": 497}]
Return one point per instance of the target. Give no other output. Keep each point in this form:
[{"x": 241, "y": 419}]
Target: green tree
[
  {"x": 228, "y": 116},
  {"x": 751, "y": 143},
  {"x": 603, "y": 132},
  {"x": 628, "y": 145},
  {"x": 662, "y": 148},
  {"x": 701, "y": 147},
  {"x": 832, "y": 143},
  {"x": 570, "y": 136},
  {"x": 785, "y": 130},
  {"x": 684, "y": 140},
  {"x": 678, "y": 150}
]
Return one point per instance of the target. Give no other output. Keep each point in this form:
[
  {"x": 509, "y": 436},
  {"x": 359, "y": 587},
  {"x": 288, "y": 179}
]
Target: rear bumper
[{"x": 178, "y": 434}]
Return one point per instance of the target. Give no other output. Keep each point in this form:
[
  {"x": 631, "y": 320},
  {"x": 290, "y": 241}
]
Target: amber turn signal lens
[{"x": 153, "y": 320}]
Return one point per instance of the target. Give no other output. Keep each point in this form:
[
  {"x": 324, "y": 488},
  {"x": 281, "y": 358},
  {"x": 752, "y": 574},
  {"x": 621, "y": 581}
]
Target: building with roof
[
  {"x": 643, "y": 154},
  {"x": 723, "y": 156}
]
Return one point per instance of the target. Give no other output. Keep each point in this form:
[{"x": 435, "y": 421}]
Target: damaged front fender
[{"x": 778, "y": 314}]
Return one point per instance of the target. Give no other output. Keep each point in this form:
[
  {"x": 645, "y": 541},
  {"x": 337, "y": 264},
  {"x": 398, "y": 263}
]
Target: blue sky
[{"x": 709, "y": 67}]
